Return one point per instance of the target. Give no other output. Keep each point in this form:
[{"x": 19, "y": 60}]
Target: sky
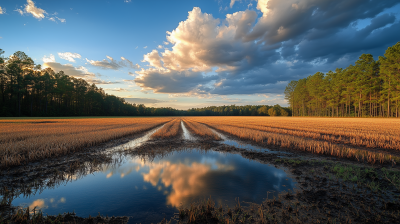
[{"x": 196, "y": 53}]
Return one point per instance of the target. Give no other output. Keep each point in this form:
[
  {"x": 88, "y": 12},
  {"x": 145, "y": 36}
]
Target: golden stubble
[{"x": 27, "y": 140}]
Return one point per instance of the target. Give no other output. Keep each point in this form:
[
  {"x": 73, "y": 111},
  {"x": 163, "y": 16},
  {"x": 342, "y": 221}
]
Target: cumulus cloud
[
  {"x": 153, "y": 58},
  {"x": 246, "y": 53},
  {"x": 51, "y": 58},
  {"x": 36, "y": 12},
  {"x": 69, "y": 56},
  {"x": 2, "y": 11},
  {"x": 169, "y": 81}
]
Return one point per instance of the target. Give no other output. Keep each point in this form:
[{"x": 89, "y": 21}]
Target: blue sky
[{"x": 196, "y": 53}]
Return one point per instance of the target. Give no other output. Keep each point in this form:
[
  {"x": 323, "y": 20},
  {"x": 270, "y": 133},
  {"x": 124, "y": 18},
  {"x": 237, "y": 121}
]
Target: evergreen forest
[{"x": 369, "y": 88}]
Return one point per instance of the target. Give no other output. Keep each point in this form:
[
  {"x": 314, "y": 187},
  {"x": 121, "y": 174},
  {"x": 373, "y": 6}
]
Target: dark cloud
[
  {"x": 166, "y": 81},
  {"x": 291, "y": 40},
  {"x": 350, "y": 41}
]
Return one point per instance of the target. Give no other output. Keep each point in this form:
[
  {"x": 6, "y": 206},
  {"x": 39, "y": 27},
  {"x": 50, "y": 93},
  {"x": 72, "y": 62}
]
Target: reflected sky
[{"x": 148, "y": 191}]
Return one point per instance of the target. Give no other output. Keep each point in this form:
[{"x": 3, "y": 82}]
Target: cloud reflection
[
  {"x": 41, "y": 204},
  {"x": 186, "y": 181},
  {"x": 192, "y": 176}
]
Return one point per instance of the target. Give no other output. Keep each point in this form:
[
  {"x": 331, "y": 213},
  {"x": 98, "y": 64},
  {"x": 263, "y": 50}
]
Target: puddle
[
  {"x": 149, "y": 191},
  {"x": 242, "y": 145},
  {"x": 135, "y": 142},
  {"x": 186, "y": 133}
]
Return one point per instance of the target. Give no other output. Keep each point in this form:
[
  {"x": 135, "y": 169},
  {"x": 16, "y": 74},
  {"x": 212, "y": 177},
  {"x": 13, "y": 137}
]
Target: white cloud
[
  {"x": 159, "y": 46},
  {"x": 2, "y": 11},
  {"x": 125, "y": 62},
  {"x": 145, "y": 47},
  {"x": 19, "y": 11},
  {"x": 262, "y": 5},
  {"x": 38, "y": 13},
  {"x": 127, "y": 1},
  {"x": 202, "y": 42},
  {"x": 153, "y": 58},
  {"x": 232, "y": 3},
  {"x": 61, "y": 20},
  {"x": 69, "y": 56},
  {"x": 51, "y": 58},
  {"x": 166, "y": 43}
]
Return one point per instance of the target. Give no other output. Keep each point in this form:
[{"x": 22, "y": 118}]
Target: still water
[
  {"x": 145, "y": 190},
  {"x": 148, "y": 191}
]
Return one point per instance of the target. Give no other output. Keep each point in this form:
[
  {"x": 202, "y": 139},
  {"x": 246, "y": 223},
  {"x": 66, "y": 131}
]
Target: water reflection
[
  {"x": 145, "y": 189},
  {"x": 242, "y": 145},
  {"x": 186, "y": 133},
  {"x": 135, "y": 142}
]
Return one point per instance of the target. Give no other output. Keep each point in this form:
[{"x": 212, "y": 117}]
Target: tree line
[
  {"x": 28, "y": 90},
  {"x": 233, "y": 110},
  {"x": 369, "y": 88}
]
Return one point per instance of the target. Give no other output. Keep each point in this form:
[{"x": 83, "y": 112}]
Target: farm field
[{"x": 204, "y": 168}]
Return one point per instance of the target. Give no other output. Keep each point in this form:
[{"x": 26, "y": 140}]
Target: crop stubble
[
  {"x": 201, "y": 130},
  {"x": 23, "y": 141},
  {"x": 30, "y": 140},
  {"x": 169, "y": 130},
  {"x": 359, "y": 139}
]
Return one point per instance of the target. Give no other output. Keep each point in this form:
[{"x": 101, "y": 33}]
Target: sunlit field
[
  {"x": 226, "y": 169},
  {"x": 27, "y": 140},
  {"x": 373, "y": 140}
]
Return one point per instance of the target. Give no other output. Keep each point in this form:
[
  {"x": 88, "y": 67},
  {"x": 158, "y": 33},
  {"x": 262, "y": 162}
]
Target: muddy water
[{"x": 148, "y": 191}]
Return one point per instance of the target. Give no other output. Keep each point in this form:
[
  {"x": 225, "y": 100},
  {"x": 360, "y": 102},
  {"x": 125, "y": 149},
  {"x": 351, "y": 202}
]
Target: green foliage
[
  {"x": 233, "y": 110},
  {"x": 272, "y": 112},
  {"x": 367, "y": 89}
]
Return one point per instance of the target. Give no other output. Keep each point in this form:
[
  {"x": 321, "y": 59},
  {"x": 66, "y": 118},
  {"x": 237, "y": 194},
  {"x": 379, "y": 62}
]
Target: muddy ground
[{"x": 329, "y": 190}]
